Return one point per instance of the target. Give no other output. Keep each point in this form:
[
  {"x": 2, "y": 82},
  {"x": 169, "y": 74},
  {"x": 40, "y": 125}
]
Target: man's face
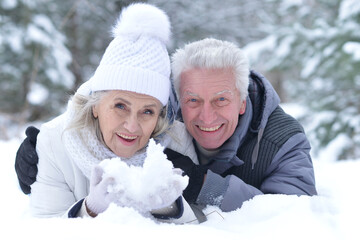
[{"x": 210, "y": 105}]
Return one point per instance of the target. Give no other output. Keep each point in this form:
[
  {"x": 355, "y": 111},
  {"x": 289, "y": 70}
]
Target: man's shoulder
[
  {"x": 280, "y": 115},
  {"x": 281, "y": 126}
]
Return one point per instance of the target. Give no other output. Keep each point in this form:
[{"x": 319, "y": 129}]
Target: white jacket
[{"x": 60, "y": 183}]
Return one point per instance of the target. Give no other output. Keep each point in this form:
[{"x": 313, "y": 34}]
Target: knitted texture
[{"x": 136, "y": 59}]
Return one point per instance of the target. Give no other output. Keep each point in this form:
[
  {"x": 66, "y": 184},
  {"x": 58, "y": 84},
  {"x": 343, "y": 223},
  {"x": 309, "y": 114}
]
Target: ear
[
  {"x": 243, "y": 107},
  {"x": 94, "y": 111}
]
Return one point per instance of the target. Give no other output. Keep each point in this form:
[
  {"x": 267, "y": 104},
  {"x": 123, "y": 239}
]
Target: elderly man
[
  {"x": 233, "y": 139},
  {"x": 245, "y": 143}
]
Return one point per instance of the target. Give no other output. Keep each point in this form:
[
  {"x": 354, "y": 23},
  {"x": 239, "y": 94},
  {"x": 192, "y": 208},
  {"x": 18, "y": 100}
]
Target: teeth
[
  {"x": 127, "y": 137},
  {"x": 209, "y": 129}
]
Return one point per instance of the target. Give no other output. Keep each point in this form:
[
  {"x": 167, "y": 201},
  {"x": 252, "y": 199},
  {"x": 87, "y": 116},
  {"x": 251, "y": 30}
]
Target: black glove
[
  {"x": 196, "y": 174},
  {"x": 27, "y": 159}
]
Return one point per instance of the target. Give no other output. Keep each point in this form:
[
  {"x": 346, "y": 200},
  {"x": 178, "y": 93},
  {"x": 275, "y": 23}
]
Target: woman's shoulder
[
  {"x": 51, "y": 132},
  {"x": 54, "y": 123},
  {"x": 53, "y": 156}
]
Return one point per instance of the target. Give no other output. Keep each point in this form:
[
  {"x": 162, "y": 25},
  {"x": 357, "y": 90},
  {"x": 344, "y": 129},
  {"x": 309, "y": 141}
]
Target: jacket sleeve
[
  {"x": 183, "y": 214},
  {"x": 50, "y": 194},
  {"x": 291, "y": 172},
  {"x": 179, "y": 213},
  {"x": 228, "y": 193}
]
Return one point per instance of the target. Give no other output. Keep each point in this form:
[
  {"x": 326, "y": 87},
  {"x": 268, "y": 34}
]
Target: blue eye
[
  {"x": 120, "y": 106},
  {"x": 150, "y": 112},
  {"x": 193, "y": 100},
  {"x": 222, "y": 101}
]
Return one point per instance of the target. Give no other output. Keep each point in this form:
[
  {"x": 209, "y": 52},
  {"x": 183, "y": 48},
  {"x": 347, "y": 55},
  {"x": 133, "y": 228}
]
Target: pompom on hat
[{"x": 136, "y": 59}]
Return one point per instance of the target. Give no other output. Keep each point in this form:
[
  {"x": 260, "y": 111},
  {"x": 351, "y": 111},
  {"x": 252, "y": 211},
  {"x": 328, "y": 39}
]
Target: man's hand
[
  {"x": 196, "y": 174},
  {"x": 164, "y": 196},
  {"x": 26, "y": 160}
]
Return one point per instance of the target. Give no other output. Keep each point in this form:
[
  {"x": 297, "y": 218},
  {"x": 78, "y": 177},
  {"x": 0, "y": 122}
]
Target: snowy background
[
  {"x": 333, "y": 214},
  {"x": 308, "y": 49}
]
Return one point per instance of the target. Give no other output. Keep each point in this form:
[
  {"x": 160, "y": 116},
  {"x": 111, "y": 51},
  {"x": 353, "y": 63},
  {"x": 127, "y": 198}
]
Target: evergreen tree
[
  {"x": 317, "y": 45},
  {"x": 231, "y": 20},
  {"x": 34, "y": 60},
  {"x": 48, "y": 49}
]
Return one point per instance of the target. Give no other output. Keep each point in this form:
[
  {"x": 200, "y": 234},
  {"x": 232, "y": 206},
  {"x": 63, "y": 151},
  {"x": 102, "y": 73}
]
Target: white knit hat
[{"x": 136, "y": 59}]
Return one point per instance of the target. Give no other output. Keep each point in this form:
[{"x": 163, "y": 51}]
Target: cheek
[
  {"x": 148, "y": 127},
  {"x": 233, "y": 116},
  {"x": 229, "y": 113},
  {"x": 188, "y": 113},
  {"x": 108, "y": 124}
]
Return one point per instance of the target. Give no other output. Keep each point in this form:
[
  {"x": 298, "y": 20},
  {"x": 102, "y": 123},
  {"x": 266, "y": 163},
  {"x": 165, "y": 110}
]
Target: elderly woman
[{"x": 114, "y": 114}]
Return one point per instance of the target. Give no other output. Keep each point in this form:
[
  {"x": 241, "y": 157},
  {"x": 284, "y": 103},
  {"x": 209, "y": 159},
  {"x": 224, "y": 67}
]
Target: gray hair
[
  {"x": 84, "y": 117},
  {"x": 210, "y": 53}
]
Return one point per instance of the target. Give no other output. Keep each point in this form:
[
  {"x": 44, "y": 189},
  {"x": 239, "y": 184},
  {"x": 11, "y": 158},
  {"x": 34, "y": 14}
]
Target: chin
[
  {"x": 209, "y": 146},
  {"x": 123, "y": 154}
]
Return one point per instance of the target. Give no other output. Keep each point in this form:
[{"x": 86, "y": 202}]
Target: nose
[
  {"x": 132, "y": 123},
  {"x": 207, "y": 113}
]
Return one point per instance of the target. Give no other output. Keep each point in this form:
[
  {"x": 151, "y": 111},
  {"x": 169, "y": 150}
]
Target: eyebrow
[
  {"x": 192, "y": 94},
  {"x": 216, "y": 94},
  {"x": 151, "y": 105},
  {"x": 122, "y": 99},
  {"x": 129, "y": 103},
  {"x": 223, "y": 91}
]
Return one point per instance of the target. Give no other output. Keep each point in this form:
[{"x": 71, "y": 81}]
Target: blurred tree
[
  {"x": 75, "y": 35},
  {"x": 317, "y": 47},
  {"x": 48, "y": 48},
  {"x": 87, "y": 27},
  {"x": 231, "y": 20},
  {"x": 34, "y": 60},
  {"x": 313, "y": 46},
  {"x": 238, "y": 21}
]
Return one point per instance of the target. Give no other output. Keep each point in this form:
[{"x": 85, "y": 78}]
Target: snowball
[{"x": 154, "y": 185}]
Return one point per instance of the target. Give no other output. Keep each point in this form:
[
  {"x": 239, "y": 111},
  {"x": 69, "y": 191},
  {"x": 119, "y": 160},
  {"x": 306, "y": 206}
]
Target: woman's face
[{"x": 127, "y": 120}]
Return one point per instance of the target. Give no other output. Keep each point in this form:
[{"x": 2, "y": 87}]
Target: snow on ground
[{"x": 333, "y": 214}]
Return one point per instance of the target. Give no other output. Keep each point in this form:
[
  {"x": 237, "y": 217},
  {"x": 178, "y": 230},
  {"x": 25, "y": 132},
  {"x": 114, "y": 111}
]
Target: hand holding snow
[
  {"x": 153, "y": 186},
  {"x": 99, "y": 199}
]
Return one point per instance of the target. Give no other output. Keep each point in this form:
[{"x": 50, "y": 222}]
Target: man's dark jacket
[{"x": 268, "y": 153}]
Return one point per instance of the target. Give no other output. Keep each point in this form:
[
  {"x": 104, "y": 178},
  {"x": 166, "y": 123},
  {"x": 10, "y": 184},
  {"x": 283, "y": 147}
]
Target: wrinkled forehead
[
  {"x": 207, "y": 82},
  {"x": 194, "y": 94}
]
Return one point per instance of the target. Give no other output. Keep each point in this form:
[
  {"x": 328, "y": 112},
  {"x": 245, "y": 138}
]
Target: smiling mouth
[
  {"x": 211, "y": 129},
  {"x": 127, "y": 138}
]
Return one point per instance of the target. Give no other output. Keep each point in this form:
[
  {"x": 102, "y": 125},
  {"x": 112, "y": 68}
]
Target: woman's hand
[{"x": 99, "y": 198}]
